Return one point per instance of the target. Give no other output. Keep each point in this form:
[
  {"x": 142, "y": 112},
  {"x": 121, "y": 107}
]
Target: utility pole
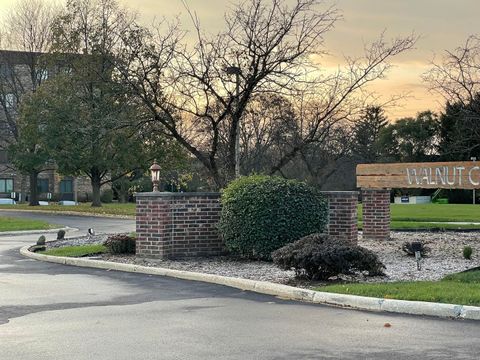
[
  {"x": 235, "y": 70},
  {"x": 473, "y": 158}
]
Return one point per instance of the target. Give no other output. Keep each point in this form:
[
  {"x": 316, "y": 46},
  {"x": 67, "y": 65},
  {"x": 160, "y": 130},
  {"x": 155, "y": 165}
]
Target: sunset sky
[{"x": 441, "y": 25}]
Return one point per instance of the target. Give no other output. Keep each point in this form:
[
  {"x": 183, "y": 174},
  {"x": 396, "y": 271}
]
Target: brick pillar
[
  {"x": 376, "y": 214},
  {"x": 174, "y": 225},
  {"x": 342, "y": 215}
]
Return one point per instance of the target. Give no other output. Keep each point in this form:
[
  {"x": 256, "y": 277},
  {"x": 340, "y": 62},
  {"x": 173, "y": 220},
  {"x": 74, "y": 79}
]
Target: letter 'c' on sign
[{"x": 470, "y": 176}]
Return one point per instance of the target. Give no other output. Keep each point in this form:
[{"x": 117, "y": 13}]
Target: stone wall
[
  {"x": 175, "y": 225},
  {"x": 376, "y": 214}
]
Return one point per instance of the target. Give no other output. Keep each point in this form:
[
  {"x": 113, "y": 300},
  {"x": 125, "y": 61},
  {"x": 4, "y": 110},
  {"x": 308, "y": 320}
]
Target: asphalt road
[{"x": 50, "y": 311}]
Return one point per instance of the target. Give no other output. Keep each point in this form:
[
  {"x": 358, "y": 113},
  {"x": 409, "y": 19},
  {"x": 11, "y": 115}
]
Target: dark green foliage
[
  {"x": 61, "y": 234},
  {"x": 407, "y": 247},
  {"x": 261, "y": 214},
  {"x": 467, "y": 252},
  {"x": 107, "y": 196},
  {"x": 318, "y": 257},
  {"x": 41, "y": 240},
  {"x": 120, "y": 244}
]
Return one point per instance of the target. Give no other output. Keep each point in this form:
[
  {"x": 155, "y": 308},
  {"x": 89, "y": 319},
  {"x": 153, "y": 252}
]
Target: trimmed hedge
[
  {"x": 120, "y": 244},
  {"x": 262, "y": 213},
  {"x": 318, "y": 257}
]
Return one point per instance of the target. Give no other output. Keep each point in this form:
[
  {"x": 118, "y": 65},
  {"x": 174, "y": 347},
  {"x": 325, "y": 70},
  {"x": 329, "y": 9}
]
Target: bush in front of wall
[
  {"x": 467, "y": 252},
  {"x": 120, "y": 244},
  {"x": 319, "y": 257},
  {"x": 263, "y": 213}
]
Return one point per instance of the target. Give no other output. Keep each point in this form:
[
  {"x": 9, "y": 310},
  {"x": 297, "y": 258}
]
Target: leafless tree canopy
[
  {"x": 188, "y": 91},
  {"x": 25, "y": 36},
  {"x": 457, "y": 75}
]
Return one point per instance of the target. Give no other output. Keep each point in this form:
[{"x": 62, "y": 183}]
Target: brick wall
[
  {"x": 175, "y": 225},
  {"x": 342, "y": 210},
  {"x": 376, "y": 214}
]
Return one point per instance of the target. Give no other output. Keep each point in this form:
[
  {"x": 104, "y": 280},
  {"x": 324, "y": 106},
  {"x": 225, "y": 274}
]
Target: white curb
[
  {"x": 71, "y": 213},
  {"x": 33, "y": 232},
  {"x": 281, "y": 291}
]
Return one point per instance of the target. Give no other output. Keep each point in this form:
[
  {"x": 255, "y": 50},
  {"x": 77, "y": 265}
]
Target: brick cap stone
[
  {"x": 175, "y": 194},
  {"x": 339, "y": 193}
]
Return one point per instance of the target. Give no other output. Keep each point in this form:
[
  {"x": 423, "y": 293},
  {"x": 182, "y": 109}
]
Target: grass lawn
[
  {"x": 17, "y": 224},
  {"x": 423, "y": 216},
  {"x": 107, "y": 209},
  {"x": 76, "y": 251},
  {"x": 462, "y": 288}
]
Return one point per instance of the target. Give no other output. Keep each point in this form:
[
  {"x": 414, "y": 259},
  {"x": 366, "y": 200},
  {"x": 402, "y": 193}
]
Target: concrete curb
[
  {"x": 33, "y": 232},
  {"x": 71, "y": 213},
  {"x": 282, "y": 291}
]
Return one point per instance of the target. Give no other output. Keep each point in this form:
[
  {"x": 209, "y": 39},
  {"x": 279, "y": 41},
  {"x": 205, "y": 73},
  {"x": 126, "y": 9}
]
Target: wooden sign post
[
  {"x": 438, "y": 175},
  {"x": 376, "y": 180}
]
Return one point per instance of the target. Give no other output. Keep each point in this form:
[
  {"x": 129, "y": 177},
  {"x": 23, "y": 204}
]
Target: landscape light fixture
[
  {"x": 155, "y": 171},
  {"x": 235, "y": 70}
]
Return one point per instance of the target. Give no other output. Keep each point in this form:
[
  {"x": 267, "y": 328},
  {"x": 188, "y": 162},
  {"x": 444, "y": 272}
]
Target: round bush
[
  {"x": 319, "y": 257},
  {"x": 261, "y": 214}
]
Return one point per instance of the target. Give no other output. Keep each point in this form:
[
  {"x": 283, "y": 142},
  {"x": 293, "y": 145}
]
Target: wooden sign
[{"x": 438, "y": 175}]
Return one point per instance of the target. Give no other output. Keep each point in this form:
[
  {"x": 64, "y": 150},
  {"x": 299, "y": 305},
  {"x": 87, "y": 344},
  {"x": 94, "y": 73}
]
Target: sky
[{"x": 441, "y": 24}]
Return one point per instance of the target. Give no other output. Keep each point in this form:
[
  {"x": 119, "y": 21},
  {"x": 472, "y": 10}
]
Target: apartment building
[{"x": 20, "y": 74}]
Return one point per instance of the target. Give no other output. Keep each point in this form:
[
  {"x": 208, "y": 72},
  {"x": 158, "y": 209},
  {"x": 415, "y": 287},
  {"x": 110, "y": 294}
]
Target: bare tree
[
  {"x": 188, "y": 90},
  {"x": 25, "y": 38},
  {"x": 457, "y": 75}
]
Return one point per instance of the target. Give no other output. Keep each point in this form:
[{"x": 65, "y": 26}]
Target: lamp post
[
  {"x": 235, "y": 70},
  {"x": 473, "y": 158},
  {"x": 155, "y": 172}
]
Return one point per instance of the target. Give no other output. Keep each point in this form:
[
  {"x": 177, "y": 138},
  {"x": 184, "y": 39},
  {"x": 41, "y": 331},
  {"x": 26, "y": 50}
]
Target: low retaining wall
[{"x": 175, "y": 225}]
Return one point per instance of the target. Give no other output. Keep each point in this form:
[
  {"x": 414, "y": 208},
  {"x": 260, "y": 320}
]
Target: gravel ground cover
[{"x": 445, "y": 257}]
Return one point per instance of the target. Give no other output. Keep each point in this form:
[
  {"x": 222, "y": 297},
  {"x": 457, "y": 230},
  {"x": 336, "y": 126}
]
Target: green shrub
[
  {"x": 120, "y": 244},
  {"x": 408, "y": 248},
  {"x": 41, "y": 240},
  {"x": 61, "y": 234},
  {"x": 467, "y": 252},
  {"x": 261, "y": 214},
  {"x": 318, "y": 257},
  {"x": 106, "y": 196}
]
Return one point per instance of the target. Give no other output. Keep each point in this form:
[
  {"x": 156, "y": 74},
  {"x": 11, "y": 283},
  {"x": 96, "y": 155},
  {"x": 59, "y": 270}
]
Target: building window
[
  {"x": 10, "y": 100},
  {"x": 6, "y": 185},
  {"x": 3, "y": 157},
  {"x": 5, "y": 71},
  {"x": 66, "y": 186},
  {"x": 42, "y": 186},
  {"x": 42, "y": 75}
]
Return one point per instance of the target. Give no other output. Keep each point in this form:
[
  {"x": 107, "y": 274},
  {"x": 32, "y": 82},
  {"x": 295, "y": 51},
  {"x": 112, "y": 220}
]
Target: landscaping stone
[{"x": 445, "y": 257}]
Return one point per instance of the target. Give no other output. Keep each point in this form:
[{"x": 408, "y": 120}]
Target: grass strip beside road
[
  {"x": 85, "y": 208},
  {"x": 17, "y": 224},
  {"x": 76, "y": 251},
  {"x": 462, "y": 288}
]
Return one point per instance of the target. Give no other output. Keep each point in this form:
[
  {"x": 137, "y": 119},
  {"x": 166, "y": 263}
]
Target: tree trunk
[
  {"x": 96, "y": 184},
  {"x": 33, "y": 198}
]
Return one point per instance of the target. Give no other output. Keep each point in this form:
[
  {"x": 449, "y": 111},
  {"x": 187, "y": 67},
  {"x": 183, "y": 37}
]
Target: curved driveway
[{"x": 50, "y": 311}]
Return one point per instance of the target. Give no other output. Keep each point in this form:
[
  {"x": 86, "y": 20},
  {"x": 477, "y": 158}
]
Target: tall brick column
[
  {"x": 376, "y": 214},
  {"x": 342, "y": 215},
  {"x": 174, "y": 225}
]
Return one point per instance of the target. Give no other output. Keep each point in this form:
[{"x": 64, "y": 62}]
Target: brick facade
[
  {"x": 342, "y": 215},
  {"x": 376, "y": 214},
  {"x": 175, "y": 225}
]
